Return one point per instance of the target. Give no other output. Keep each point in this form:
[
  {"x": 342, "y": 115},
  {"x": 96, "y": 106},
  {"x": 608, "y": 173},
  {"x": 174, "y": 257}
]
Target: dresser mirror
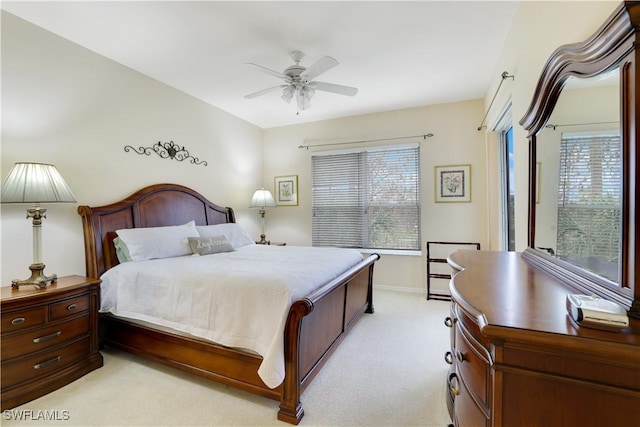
[
  {"x": 582, "y": 163},
  {"x": 578, "y": 176}
]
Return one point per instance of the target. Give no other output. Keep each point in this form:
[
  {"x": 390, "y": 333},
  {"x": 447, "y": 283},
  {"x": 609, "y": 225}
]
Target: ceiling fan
[{"x": 298, "y": 81}]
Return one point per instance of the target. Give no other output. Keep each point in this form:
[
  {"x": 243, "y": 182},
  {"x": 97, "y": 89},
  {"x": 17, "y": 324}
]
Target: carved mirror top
[
  {"x": 582, "y": 120},
  {"x": 603, "y": 50}
]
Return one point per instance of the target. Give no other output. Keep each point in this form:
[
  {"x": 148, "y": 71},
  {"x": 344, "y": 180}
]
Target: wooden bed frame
[{"x": 315, "y": 325}]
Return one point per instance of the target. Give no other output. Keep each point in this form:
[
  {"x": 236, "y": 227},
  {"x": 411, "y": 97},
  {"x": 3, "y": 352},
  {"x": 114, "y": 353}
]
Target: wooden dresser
[
  {"x": 518, "y": 359},
  {"x": 49, "y": 337}
]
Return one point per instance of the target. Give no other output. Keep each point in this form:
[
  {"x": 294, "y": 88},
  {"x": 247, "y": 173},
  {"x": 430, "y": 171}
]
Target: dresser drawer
[
  {"x": 43, "y": 364},
  {"x": 22, "y": 319},
  {"x": 472, "y": 365},
  {"x": 68, "y": 307},
  {"x": 467, "y": 412},
  {"x": 40, "y": 339},
  {"x": 471, "y": 325}
]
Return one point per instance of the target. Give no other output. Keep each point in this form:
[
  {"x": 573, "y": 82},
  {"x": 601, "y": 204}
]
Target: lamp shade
[
  {"x": 35, "y": 183},
  {"x": 262, "y": 199}
]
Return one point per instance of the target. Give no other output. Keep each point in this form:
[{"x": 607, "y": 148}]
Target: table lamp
[
  {"x": 262, "y": 199},
  {"x": 35, "y": 183}
]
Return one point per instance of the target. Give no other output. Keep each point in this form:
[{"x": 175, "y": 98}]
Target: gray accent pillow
[{"x": 209, "y": 245}]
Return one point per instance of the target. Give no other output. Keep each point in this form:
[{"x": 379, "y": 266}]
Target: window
[
  {"x": 589, "y": 197},
  {"x": 506, "y": 183},
  {"x": 369, "y": 199},
  {"x": 509, "y": 189}
]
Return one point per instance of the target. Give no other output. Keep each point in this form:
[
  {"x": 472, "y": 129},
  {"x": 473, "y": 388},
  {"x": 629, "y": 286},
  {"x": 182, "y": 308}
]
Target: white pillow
[
  {"x": 158, "y": 242},
  {"x": 236, "y": 235}
]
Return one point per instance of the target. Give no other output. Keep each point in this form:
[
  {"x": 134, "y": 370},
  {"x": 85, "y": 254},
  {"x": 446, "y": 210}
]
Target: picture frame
[
  {"x": 453, "y": 183},
  {"x": 286, "y": 190}
]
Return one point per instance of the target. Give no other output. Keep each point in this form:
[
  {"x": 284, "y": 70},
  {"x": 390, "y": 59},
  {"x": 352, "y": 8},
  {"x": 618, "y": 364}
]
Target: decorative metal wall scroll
[{"x": 167, "y": 150}]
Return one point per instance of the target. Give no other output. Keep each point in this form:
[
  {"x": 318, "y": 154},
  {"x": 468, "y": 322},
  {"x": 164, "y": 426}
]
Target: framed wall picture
[
  {"x": 453, "y": 184},
  {"x": 286, "y": 188}
]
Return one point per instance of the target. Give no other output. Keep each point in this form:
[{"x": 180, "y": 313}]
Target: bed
[{"x": 314, "y": 324}]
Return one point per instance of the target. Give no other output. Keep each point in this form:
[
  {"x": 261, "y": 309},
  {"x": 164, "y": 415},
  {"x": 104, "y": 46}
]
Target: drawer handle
[
  {"x": 18, "y": 321},
  {"x": 454, "y": 390},
  {"x": 72, "y": 307},
  {"x": 448, "y": 322},
  {"x": 47, "y": 363},
  {"x": 448, "y": 357},
  {"x": 460, "y": 356},
  {"x": 47, "y": 337}
]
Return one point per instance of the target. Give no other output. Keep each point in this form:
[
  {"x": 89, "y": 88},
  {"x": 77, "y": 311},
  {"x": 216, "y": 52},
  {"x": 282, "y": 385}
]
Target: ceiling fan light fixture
[
  {"x": 309, "y": 92},
  {"x": 303, "y": 101},
  {"x": 287, "y": 93},
  {"x": 299, "y": 81}
]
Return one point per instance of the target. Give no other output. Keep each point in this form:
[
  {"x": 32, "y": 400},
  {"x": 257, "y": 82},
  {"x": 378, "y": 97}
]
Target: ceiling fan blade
[
  {"x": 320, "y": 66},
  {"x": 339, "y": 89},
  {"x": 267, "y": 70},
  {"x": 263, "y": 91}
]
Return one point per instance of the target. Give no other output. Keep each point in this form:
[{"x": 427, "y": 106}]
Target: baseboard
[{"x": 401, "y": 289}]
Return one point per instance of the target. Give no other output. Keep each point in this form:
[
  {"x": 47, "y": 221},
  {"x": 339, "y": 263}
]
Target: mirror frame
[{"x": 611, "y": 46}]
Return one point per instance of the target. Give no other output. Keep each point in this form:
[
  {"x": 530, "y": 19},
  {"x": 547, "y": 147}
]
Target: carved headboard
[{"x": 154, "y": 206}]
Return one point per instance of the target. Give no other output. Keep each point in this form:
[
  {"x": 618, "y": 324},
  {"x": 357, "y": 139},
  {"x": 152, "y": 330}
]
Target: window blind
[
  {"x": 589, "y": 199},
  {"x": 367, "y": 199}
]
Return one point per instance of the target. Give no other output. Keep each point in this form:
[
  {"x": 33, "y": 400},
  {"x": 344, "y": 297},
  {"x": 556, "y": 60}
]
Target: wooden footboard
[{"x": 315, "y": 326}]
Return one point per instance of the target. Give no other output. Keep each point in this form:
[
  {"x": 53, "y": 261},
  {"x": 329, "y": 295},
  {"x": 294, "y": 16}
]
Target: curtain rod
[
  {"x": 505, "y": 75},
  {"x": 552, "y": 126},
  {"x": 424, "y": 136}
]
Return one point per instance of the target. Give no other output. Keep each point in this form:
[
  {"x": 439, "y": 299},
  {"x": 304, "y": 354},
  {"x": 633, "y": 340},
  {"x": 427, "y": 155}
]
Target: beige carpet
[{"x": 389, "y": 371}]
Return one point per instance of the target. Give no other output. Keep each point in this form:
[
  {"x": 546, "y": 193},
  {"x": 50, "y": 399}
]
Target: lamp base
[
  {"x": 37, "y": 278},
  {"x": 263, "y": 240}
]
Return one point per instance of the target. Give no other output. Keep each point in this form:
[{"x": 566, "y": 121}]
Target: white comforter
[{"x": 237, "y": 299}]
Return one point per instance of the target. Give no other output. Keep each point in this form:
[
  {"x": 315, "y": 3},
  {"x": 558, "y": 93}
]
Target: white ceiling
[{"x": 398, "y": 54}]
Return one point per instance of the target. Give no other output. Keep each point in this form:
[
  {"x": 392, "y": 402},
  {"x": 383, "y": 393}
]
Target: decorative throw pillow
[
  {"x": 209, "y": 245},
  {"x": 236, "y": 235},
  {"x": 158, "y": 242}
]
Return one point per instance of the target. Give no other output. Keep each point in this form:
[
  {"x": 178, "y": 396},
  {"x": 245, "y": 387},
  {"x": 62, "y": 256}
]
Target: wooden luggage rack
[{"x": 437, "y": 253}]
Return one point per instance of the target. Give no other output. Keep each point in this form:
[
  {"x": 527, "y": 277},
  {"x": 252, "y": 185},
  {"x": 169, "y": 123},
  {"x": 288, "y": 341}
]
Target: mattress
[{"x": 237, "y": 299}]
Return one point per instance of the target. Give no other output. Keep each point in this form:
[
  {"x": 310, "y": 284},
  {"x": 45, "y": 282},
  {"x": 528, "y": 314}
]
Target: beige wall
[
  {"x": 538, "y": 29},
  {"x": 455, "y": 141},
  {"x": 66, "y": 105}
]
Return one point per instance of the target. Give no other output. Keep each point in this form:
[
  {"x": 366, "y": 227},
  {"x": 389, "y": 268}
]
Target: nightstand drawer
[
  {"x": 68, "y": 307},
  {"x": 44, "y": 363},
  {"x": 22, "y": 319},
  {"x": 40, "y": 339}
]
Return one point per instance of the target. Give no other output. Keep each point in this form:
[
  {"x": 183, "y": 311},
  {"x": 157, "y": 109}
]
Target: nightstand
[
  {"x": 268, "y": 242},
  {"x": 49, "y": 337}
]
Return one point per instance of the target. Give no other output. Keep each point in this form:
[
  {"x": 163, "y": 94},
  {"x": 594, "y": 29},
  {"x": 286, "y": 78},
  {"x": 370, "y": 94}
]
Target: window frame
[
  {"x": 506, "y": 174},
  {"x": 365, "y": 198}
]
